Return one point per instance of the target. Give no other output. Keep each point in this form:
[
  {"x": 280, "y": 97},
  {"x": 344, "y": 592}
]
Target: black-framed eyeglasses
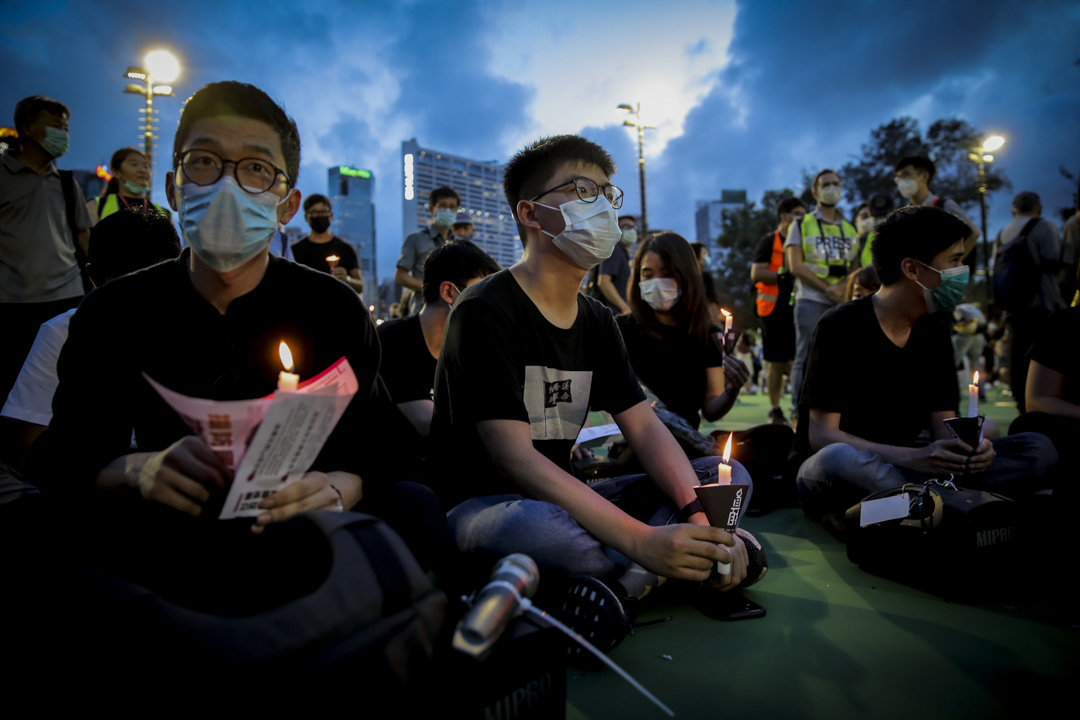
[
  {"x": 588, "y": 191},
  {"x": 205, "y": 167}
]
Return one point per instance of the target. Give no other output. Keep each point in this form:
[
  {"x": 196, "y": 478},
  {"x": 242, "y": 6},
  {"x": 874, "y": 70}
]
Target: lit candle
[
  {"x": 728, "y": 322},
  {"x": 332, "y": 261},
  {"x": 973, "y": 396},
  {"x": 724, "y": 469},
  {"x": 287, "y": 381}
]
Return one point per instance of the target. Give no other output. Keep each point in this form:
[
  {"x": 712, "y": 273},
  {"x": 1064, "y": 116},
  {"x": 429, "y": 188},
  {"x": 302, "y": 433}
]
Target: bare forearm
[
  {"x": 717, "y": 406},
  {"x": 821, "y": 437},
  {"x": 608, "y": 288},
  {"x": 1052, "y": 406},
  {"x": 349, "y": 485},
  {"x": 403, "y": 278},
  {"x": 760, "y": 272},
  {"x": 660, "y": 455}
]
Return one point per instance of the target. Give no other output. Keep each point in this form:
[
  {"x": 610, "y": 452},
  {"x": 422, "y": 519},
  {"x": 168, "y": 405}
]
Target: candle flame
[
  {"x": 332, "y": 258},
  {"x": 975, "y": 380},
  {"x": 286, "y": 356},
  {"x": 725, "y": 313},
  {"x": 727, "y": 448}
]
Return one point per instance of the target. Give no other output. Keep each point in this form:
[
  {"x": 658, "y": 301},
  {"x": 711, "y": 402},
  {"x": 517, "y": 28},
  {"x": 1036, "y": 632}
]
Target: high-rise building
[
  {"x": 709, "y": 215},
  {"x": 351, "y": 192},
  {"x": 480, "y": 185}
]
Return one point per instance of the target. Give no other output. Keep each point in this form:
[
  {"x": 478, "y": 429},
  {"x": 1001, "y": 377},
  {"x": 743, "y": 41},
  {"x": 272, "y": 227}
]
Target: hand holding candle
[
  {"x": 332, "y": 261},
  {"x": 287, "y": 381},
  {"x": 973, "y": 396}
]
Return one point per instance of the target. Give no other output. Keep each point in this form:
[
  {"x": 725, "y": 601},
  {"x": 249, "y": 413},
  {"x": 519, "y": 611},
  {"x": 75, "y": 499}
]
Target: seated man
[
  {"x": 410, "y": 346},
  {"x": 207, "y": 325},
  {"x": 524, "y": 358},
  {"x": 866, "y": 411},
  {"x": 120, "y": 244}
]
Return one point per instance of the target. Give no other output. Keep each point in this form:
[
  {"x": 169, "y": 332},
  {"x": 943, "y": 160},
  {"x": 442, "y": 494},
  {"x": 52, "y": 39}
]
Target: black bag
[
  {"x": 955, "y": 541},
  {"x": 67, "y": 183},
  {"x": 1016, "y": 274}
]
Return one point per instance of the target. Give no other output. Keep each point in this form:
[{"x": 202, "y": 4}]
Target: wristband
[
  {"x": 340, "y": 507},
  {"x": 692, "y": 507}
]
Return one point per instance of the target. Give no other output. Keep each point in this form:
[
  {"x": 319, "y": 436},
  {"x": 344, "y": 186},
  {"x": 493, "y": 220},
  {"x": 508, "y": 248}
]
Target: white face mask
[
  {"x": 864, "y": 225},
  {"x": 660, "y": 293},
  {"x": 591, "y": 232},
  {"x": 907, "y": 186},
  {"x": 830, "y": 195}
]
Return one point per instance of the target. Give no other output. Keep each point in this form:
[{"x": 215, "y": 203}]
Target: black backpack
[{"x": 1016, "y": 274}]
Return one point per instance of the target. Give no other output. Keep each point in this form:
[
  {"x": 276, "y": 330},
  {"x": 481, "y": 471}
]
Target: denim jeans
[
  {"x": 504, "y": 524},
  {"x": 807, "y": 315}
]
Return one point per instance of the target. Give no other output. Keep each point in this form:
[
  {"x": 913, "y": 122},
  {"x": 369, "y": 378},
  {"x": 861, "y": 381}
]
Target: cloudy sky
[{"x": 743, "y": 94}]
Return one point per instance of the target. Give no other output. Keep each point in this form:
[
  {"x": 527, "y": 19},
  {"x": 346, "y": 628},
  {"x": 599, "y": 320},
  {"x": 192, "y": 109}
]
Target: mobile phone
[
  {"x": 743, "y": 610},
  {"x": 730, "y": 606}
]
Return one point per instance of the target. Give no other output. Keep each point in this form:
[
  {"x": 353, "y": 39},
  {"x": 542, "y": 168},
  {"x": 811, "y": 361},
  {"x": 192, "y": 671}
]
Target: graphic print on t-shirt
[{"x": 557, "y": 401}]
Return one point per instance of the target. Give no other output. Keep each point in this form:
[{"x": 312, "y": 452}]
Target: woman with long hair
[{"x": 129, "y": 187}]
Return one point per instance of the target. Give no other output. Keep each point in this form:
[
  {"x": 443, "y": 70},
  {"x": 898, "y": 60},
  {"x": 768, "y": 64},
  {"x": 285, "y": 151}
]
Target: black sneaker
[
  {"x": 776, "y": 417},
  {"x": 595, "y": 612}
]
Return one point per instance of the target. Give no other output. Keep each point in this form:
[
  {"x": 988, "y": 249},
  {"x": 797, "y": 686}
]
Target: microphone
[{"x": 513, "y": 581}]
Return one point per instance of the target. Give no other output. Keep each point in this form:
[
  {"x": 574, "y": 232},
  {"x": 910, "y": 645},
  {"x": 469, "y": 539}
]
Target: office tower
[{"x": 351, "y": 192}]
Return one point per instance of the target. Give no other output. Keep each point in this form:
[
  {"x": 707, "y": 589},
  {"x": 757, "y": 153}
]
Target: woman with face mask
[
  {"x": 128, "y": 188},
  {"x": 673, "y": 346}
]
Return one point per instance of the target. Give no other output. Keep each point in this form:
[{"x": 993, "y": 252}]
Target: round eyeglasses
[
  {"x": 204, "y": 167},
  {"x": 588, "y": 191}
]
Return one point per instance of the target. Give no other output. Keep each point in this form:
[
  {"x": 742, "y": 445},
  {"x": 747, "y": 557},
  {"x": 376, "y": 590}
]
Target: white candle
[
  {"x": 724, "y": 469},
  {"x": 973, "y": 396},
  {"x": 729, "y": 320},
  {"x": 287, "y": 381}
]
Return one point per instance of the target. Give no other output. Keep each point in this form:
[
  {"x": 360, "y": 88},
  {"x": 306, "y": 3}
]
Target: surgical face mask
[
  {"x": 629, "y": 236},
  {"x": 660, "y": 293},
  {"x": 56, "y": 141},
  {"x": 907, "y": 186},
  {"x": 830, "y": 195},
  {"x": 592, "y": 229},
  {"x": 865, "y": 224},
  {"x": 445, "y": 217},
  {"x": 224, "y": 225},
  {"x": 135, "y": 188},
  {"x": 949, "y": 292}
]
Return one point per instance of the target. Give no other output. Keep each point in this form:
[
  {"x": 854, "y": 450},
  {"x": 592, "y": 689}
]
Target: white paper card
[
  {"x": 601, "y": 431},
  {"x": 890, "y": 508}
]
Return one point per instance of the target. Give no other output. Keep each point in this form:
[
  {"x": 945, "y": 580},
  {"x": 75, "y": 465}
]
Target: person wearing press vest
[
  {"x": 820, "y": 251},
  {"x": 129, "y": 187}
]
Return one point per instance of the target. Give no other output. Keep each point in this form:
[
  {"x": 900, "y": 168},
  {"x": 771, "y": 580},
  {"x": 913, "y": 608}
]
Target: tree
[
  {"x": 947, "y": 142},
  {"x": 743, "y": 228}
]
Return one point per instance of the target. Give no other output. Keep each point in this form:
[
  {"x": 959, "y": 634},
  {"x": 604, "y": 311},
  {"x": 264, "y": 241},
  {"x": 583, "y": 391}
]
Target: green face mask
[
  {"x": 136, "y": 189},
  {"x": 949, "y": 292}
]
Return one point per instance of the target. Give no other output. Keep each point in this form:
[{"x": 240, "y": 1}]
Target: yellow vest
[
  {"x": 838, "y": 246},
  {"x": 866, "y": 260},
  {"x": 112, "y": 204}
]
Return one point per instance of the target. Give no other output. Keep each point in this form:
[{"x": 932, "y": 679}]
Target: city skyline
[{"x": 745, "y": 95}]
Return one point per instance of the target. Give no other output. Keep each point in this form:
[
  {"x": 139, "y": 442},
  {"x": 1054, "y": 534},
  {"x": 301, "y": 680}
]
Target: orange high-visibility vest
[{"x": 767, "y": 294}]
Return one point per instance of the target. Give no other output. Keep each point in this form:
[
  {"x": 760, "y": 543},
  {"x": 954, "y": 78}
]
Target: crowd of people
[{"x": 463, "y": 434}]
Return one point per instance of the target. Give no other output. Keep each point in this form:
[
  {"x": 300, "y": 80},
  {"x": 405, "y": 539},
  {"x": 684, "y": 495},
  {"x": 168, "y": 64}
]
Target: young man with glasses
[
  {"x": 321, "y": 244},
  {"x": 525, "y": 356}
]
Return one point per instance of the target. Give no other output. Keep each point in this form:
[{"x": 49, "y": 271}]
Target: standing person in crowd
[
  {"x": 320, "y": 244},
  {"x": 444, "y": 203},
  {"x": 122, "y": 243},
  {"x": 821, "y": 250},
  {"x": 878, "y": 207},
  {"x": 913, "y": 176},
  {"x": 969, "y": 342},
  {"x": 1032, "y": 236},
  {"x": 673, "y": 346},
  {"x": 613, "y": 275},
  {"x": 525, "y": 357},
  {"x": 863, "y": 440},
  {"x": 704, "y": 262},
  {"x": 774, "y": 283},
  {"x": 463, "y": 228},
  {"x": 411, "y": 345},
  {"x": 44, "y": 230},
  {"x": 128, "y": 188}
]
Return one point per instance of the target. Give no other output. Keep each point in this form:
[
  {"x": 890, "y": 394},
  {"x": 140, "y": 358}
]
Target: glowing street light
[
  {"x": 641, "y": 128},
  {"x": 981, "y": 157},
  {"x": 158, "y": 66},
  {"x": 992, "y": 143}
]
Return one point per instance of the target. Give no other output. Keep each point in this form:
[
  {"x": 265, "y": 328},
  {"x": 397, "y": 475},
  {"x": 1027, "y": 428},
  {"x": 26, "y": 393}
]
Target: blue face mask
[
  {"x": 224, "y": 225},
  {"x": 135, "y": 188},
  {"x": 949, "y": 292},
  {"x": 56, "y": 141},
  {"x": 445, "y": 217}
]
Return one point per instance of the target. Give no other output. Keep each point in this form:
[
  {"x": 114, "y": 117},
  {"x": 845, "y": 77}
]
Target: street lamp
[
  {"x": 158, "y": 66},
  {"x": 636, "y": 111},
  {"x": 981, "y": 157}
]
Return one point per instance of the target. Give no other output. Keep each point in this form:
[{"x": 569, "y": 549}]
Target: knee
[{"x": 1036, "y": 448}]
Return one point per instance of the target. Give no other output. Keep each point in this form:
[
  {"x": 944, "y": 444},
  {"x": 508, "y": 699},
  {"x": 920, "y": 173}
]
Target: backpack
[{"x": 1017, "y": 276}]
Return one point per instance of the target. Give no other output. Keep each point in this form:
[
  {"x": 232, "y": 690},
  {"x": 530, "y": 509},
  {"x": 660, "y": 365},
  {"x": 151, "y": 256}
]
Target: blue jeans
[
  {"x": 807, "y": 315},
  {"x": 504, "y": 524},
  {"x": 838, "y": 476}
]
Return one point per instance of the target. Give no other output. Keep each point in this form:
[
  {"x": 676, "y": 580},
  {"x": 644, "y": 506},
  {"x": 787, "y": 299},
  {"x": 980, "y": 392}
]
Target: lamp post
[
  {"x": 981, "y": 157},
  {"x": 641, "y": 128},
  {"x": 159, "y": 66}
]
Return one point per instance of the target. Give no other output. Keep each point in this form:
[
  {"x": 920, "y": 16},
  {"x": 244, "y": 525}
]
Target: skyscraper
[
  {"x": 351, "y": 191},
  {"x": 480, "y": 185}
]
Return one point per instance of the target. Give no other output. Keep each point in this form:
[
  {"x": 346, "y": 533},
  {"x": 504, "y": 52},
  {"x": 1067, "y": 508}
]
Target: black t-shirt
[
  {"x": 1058, "y": 348},
  {"x": 884, "y": 393},
  {"x": 407, "y": 367},
  {"x": 502, "y": 360},
  {"x": 672, "y": 365},
  {"x": 783, "y": 312},
  {"x": 313, "y": 254}
]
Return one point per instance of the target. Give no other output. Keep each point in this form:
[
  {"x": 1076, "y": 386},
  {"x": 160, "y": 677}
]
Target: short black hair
[
  {"x": 229, "y": 97},
  {"x": 919, "y": 163},
  {"x": 130, "y": 240},
  {"x": 628, "y": 217},
  {"x": 826, "y": 171},
  {"x": 533, "y": 167},
  {"x": 316, "y": 199},
  {"x": 788, "y": 205},
  {"x": 27, "y": 110},
  {"x": 442, "y": 192},
  {"x": 1027, "y": 201},
  {"x": 921, "y": 232},
  {"x": 457, "y": 261}
]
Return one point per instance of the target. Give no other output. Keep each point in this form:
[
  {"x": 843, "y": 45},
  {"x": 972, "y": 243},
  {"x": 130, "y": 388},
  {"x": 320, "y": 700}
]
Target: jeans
[
  {"x": 838, "y": 476},
  {"x": 807, "y": 315},
  {"x": 504, "y": 524}
]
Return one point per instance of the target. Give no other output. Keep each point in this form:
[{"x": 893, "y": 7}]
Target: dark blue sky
[{"x": 746, "y": 94}]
